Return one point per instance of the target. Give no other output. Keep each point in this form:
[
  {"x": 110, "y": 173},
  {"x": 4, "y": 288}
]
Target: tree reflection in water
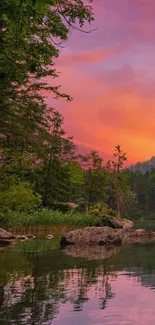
[
  {"x": 36, "y": 300},
  {"x": 42, "y": 285},
  {"x": 36, "y": 288}
]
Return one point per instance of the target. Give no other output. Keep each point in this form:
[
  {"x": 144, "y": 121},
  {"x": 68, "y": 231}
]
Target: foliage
[
  {"x": 129, "y": 204},
  {"x": 30, "y": 37},
  {"x": 118, "y": 182},
  {"x": 30, "y": 33},
  {"x": 34, "y": 146},
  {"x": 64, "y": 207},
  {"x": 95, "y": 178},
  {"x": 18, "y": 197},
  {"x": 102, "y": 209},
  {"x": 53, "y": 217},
  {"x": 143, "y": 185}
]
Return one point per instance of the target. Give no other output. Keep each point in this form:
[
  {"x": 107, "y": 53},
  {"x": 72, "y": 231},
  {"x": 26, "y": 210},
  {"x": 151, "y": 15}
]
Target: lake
[{"x": 42, "y": 285}]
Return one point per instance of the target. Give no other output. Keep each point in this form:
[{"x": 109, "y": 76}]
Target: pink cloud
[
  {"x": 110, "y": 73},
  {"x": 90, "y": 56}
]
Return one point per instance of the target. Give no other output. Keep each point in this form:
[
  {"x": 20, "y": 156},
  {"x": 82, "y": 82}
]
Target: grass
[
  {"x": 41, "y": 231},
  {"x": 45, "y": 217}
]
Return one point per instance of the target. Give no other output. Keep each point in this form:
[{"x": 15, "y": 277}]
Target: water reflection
[
  {"x": 92, "y": 252},
  {"x": 37, "y": 300},
  {"x": 41, "y": 286}
]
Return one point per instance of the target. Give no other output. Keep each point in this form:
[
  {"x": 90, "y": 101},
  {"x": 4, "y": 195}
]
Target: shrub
[
  {"x": 18, "y": 197},
  {"x": 102, "y": 209}
]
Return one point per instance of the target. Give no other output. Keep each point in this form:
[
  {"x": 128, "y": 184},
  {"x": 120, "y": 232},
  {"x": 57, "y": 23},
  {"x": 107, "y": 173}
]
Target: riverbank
[{"x": 44, "y": 221}]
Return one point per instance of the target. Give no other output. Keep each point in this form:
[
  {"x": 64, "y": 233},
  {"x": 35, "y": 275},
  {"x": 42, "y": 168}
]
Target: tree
[
  {"x": 118, "y": 179},
  {"x": 53, "y": 176},
  {"x": 95, "y": 178},
  {"x": 30, "y": 37},
  {"x": 32, "y": 139},
  {"x": 76, "y": 181},
  {"x": 143, "y": 184}
]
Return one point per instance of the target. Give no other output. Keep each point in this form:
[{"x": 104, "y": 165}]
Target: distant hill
[{"x": 143, "y": 167}]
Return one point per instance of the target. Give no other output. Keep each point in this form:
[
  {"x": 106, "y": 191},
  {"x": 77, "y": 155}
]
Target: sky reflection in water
[{"x": 42, "y": 286}]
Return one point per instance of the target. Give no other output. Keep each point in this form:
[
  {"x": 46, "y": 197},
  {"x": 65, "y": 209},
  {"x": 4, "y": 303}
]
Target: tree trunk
[{"x": 118, "y": 208}]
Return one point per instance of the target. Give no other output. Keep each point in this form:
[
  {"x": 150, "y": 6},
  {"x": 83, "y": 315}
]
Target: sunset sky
[{"x": 110, "y": 73}]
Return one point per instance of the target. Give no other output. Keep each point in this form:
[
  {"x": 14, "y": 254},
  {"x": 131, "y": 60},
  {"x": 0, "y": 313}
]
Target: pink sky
[{"x": 110, "y": 73}]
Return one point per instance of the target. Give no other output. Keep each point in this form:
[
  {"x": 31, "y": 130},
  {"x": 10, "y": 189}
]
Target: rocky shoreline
[
  {"x": 106, "y": 236},
  {"x": 117, "y": 233},
  {"x": 6, "y": 238},
  {"x": 102, "y": 242}
]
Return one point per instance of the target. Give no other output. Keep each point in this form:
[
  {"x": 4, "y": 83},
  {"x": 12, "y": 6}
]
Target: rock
[
  {"x": 49, "y": 236},
  {"x": 138, "y": 236},
  {"x": 30, "y": 236},
  {"x": 128, "y": 224},
  {"x": 21, "y": 237},
  {"x": 120, "y": 224},
  {"x": 92, "y": 252},
  {"x": 6, "y": 235},
  {"x": 25, "y": 237},
  {"x": 106, "y": 236},
  {"x": 71, "y": 205},
  {"x": 91, "y": 236},
  {"x": 6, "y": 238}
]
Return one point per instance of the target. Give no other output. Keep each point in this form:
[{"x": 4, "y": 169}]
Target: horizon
[{"x": 110, "y": 73}]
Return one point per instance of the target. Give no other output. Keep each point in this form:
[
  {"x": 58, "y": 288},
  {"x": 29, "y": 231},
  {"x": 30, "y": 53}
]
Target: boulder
[
  {"x": 92, "y": 252},
  {"x": 6, "y": 238},
  {"x": 22, "y": 237},
  {"x": 92, "y": 236},
  {"x": 30, "y": 236},
  {"x": 137, "y": 236},
  {"x": 106, "y": 236},
  {"x": 120, "y": 224}
]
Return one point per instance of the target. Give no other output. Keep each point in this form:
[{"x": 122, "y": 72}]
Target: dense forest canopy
[{"x": 40, "y": 164}]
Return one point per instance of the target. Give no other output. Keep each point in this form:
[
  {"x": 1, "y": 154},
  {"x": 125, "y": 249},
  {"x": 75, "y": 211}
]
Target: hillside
[{"x": 144, "y": 166}]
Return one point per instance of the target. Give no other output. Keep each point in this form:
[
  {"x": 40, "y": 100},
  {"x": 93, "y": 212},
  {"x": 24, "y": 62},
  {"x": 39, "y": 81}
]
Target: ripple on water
[{"x": 42, "y": 285}]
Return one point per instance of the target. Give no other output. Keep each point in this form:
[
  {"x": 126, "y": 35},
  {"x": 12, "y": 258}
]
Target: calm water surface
[{"x": 42, "y": 285}]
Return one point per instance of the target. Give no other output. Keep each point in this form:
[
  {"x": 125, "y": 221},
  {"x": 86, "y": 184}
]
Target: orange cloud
[
  {"x": 104, "y": 114},
  {"x": 112, "y": 84}
]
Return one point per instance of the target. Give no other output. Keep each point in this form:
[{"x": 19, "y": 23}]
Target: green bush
[
  {"x": 3, "y": 220},
  {"x": 18, "y": 197},
  {"x": 102, "y": 209}
]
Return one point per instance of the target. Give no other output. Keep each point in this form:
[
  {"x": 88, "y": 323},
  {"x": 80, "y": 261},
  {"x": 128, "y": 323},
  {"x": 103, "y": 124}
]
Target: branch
[{"x": 71, "y": 25}]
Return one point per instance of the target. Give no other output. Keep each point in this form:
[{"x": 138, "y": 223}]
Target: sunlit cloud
[{"x": 110, "y": 73}]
